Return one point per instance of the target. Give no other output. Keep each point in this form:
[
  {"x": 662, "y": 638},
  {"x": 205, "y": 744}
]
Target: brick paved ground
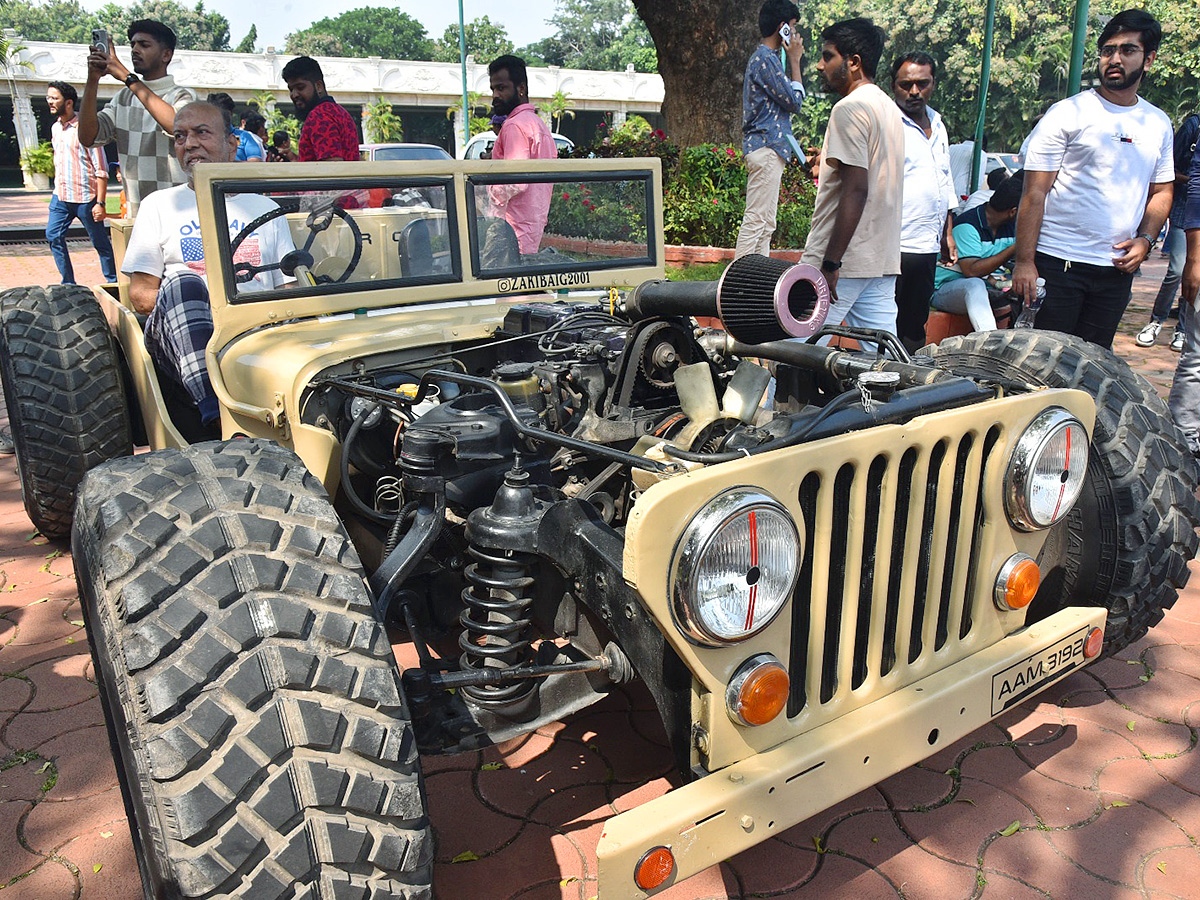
[{"x": 1099, "y": 777}]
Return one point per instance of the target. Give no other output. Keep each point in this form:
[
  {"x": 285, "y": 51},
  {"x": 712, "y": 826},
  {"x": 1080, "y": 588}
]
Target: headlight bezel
[
  {"x": 689, "y": 552},
  {"x": 1018, "y": 476}
]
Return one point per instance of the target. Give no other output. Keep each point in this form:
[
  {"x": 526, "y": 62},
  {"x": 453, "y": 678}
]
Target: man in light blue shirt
[{"x": 768, "y": 100}]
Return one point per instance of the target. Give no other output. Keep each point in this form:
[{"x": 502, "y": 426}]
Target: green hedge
[{"x": 704, "y": 188}]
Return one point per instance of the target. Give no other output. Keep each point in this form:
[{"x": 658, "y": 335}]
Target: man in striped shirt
[
  {"x": 141, "y": 117},
  {"x": 80, "y": 186}
]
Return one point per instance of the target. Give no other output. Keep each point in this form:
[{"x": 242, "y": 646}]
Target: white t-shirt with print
[
  {"x": 1106, "y": 157},
  {"x": 166, "y": 237}
]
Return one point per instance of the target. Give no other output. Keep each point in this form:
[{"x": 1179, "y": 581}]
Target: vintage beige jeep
[{"x": 547, "y": 473}]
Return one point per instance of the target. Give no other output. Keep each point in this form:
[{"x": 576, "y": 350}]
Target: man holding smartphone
[
  {"x": 141, "y": 117},
  {"x": 769, "y": 98}
]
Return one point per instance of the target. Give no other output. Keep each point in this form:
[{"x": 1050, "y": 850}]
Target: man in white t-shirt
[
  {"x": 165, "y": 257},
  {"x": 1099, "y": 171},
  {"x": 855, "y": 233}
]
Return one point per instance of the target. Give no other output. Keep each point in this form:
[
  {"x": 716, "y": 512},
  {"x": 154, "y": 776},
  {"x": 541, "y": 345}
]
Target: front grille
[{"x": 887, "y": 582}]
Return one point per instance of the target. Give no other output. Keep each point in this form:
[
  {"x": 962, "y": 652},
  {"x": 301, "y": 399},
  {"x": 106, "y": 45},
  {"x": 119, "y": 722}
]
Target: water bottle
[{"x": 1029, "y": 313}]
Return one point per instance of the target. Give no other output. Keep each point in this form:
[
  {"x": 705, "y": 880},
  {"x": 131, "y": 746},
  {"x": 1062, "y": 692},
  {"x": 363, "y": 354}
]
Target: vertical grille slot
[
  {"x": 904, "y": 487},
  {"x": 802, "y": 599},
  {"x": 920, "y": 592},
  {"x": 952, "y": 531},
  {"x": 836, "y": 604},
  {"x": 866, "y": 590},
  {"x": 968, "y": 616}
]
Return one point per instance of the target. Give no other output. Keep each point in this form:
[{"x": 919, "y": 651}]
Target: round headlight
[
  {"x": 1046, "y": 472},
  {"x": 734, "y": 567}
]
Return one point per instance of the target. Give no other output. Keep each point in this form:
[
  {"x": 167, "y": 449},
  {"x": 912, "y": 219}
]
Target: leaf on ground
[
  {"x": 44, "y": 767},
  {"x": 874, "y": 840},
  {"x": 1117, "y": 804},
  {"x": 33, "y": 534},
  {"x": 1162, "y": 867},
  {"x": 491, "y": 767},
  {"x": 54, "y": 554},
  {"x": 965, "y": 800},
  {"x": 1130, "y": 725},
  {"x": 1133, "y": 662},
  {"x": 1143, "y": 678},
  {"x": 97, "y": 867},
  {"x": 1011, "y": 829},
  {"x": 466, "y": 856},
  {"x": 78, "y": 623},
  {"x": 106, "y": 834},
  {"x": 817, "y": 844},
  {"x": 570, "y": 880}
]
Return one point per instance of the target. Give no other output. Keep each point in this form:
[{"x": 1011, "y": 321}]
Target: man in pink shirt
[{"x": 524, "y": 135}]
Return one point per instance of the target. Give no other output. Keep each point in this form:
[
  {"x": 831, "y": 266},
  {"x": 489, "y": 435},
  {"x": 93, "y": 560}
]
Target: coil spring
[{"x": 495, "y": 624}]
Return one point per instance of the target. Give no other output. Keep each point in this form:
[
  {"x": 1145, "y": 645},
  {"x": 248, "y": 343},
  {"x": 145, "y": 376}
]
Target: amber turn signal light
[
  {"x": 654, "y": 868},
  {"x": 1017, "y": 583},
  {"x": 1094, "y": 643},
  {"x": 758, "y": 691}
]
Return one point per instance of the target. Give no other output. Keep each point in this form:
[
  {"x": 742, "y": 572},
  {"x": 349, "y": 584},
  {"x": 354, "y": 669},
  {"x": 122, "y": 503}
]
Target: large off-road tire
[
  {"x": 253, "y": 702},
  {"x": 66, "y": 403},
  {"x": 1127, "y": 542}
]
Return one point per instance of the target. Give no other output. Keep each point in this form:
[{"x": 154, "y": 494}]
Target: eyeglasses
[{"x": 1127, "y": 50}]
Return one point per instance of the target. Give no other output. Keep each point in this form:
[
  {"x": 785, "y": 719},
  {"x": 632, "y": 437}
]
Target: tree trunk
[{"x": 703, "y": 46}]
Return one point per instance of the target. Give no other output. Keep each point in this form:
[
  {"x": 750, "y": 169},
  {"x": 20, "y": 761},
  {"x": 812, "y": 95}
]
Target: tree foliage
[
  {"x": 50, "y": 20},
  {"x": 1030, "y": 57},
  {"x": 604, "y": 35},
  {"x": 246, "y": 45},
  {"x": 368, "y": 31},
  {"x": 558, "y": 107},
  {"x": 485, "y": 41},
  {"x": 381, "y": 125},
  {"x": 195, "y": 28}
]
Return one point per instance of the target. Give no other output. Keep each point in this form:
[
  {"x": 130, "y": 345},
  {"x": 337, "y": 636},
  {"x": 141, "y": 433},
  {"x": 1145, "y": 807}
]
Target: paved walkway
[{"x": 1092, "y": 791}]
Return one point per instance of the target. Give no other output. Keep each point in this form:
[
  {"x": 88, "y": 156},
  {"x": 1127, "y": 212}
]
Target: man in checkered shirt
[
  {"x": 165, "y": 259},
  {"x": 141, "y": 117}
]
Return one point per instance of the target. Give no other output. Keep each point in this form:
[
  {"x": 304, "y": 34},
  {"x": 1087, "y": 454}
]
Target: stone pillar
[
  {"x": 618, "y": 117},
  {"x": 26, "y": 123}
]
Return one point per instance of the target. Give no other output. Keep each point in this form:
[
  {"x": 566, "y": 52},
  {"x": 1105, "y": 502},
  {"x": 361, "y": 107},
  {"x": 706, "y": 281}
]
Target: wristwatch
[
  {"x": 1149, "y": 240},
  {"x": 830, "y": 265},
  {"x": 131, "y": 78}
]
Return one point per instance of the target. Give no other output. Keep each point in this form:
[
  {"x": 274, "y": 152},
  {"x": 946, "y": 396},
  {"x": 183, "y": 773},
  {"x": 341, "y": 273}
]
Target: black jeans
[
  {"x": 914, "y": 287},
  {"x": 1082, "y": 299}
]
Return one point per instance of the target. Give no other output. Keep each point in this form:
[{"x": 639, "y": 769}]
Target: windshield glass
[
  {"x": 553, "y": 225},
  {"x": 290, "y": 237},
  {"x": 415, "y": 152}
]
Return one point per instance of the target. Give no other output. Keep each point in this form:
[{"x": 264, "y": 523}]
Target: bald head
[{"x": 203, "y": 133}]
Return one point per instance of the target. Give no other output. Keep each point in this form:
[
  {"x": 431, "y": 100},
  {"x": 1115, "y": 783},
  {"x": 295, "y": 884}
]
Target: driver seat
[{"x": 415, "y": 249}]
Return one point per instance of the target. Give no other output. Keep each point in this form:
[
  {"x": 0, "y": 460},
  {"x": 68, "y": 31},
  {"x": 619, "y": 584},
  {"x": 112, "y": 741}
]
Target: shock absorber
[{"x": 495, "y": 619}]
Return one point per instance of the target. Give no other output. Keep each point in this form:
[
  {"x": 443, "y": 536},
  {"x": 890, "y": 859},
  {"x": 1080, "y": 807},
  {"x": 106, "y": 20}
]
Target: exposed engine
[{"x": 465, "y": 471}]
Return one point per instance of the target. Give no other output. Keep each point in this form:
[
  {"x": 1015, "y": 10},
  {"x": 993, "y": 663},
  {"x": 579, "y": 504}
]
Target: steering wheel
[{"x": 318, "y": 221}]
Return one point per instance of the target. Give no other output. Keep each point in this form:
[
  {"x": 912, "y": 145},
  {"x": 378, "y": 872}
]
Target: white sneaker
[
  {"x": 1177, "y": 341},
  {"x": 1148, "y": 335}
]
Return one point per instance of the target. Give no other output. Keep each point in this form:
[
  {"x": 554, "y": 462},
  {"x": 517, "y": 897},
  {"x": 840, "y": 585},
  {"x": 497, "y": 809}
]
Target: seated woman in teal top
[{"x": 986, "y": 240}]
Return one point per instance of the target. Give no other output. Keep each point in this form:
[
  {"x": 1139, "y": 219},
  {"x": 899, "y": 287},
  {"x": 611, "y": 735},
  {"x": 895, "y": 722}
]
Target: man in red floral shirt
[{"x": 329, "y": 131}]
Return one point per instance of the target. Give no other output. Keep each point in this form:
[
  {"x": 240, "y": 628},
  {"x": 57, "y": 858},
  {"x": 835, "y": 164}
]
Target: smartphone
[
  {"x": 100, "y": 40},
  {"x": 785, "y": 32}
]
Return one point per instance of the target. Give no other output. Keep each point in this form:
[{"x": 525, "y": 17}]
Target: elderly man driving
[{"x": 165, "y": 259}]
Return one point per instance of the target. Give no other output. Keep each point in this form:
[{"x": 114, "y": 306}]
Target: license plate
[{"x": 1027, "y": 677}]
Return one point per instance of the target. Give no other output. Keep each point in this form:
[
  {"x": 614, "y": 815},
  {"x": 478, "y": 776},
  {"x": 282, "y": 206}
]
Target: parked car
[
  {"x": 380, "y": 152},
  {"x": 482, "y": 143},
  {"x": 548, "y": 495},
  {"x": 960, "y": 166}
]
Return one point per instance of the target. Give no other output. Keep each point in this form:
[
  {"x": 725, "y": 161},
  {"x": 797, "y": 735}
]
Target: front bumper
[{"x": 728, "y": 811}]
